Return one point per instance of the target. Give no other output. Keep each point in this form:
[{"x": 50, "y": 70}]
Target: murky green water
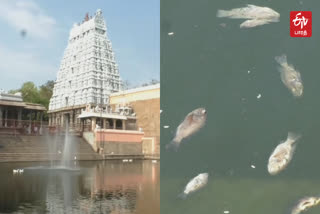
[
  {"x": 206, "y": 64},
  {"x": 99, "y": 187}
]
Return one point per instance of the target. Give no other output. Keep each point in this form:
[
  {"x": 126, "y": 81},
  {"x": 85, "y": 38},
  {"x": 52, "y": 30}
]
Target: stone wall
[
  {"x": 121, "y": 148},
  {"x": 148, "y": 118}
]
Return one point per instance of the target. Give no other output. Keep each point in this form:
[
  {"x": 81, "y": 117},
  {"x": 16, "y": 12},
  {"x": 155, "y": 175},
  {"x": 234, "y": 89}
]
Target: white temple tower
[{"x": 88, "y": 73}]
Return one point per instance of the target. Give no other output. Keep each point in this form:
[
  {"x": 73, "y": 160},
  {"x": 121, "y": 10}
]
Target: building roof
[
  {"x": 11, "y": 97},
  {"x": 104, "y": 115},
  {"x": 134, "y": 90},
  {"x": 30, "y": 106}
]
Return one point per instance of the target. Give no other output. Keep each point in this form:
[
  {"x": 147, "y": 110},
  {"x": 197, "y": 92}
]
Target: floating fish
[
  {"x": 256, "y": 15},
  {"x": 282, "y": 154},
  {"x": 191, "y": 124},
  {"x": 195, "y": 184},
  {"x": 289, "y": 76},
  {"x": 304, "y": 204}
]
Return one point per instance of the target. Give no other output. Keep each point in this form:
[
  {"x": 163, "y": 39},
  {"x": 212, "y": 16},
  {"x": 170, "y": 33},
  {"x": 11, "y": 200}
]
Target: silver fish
[
  {"x": 195, "y": 184},
  {"x": 282, "y": 154},
  {"x": 289, "y": 76},
  {"x": 304, "y": 204},
  {"x": 257, "y": 15},
  {"x": 194, "y": 121}
]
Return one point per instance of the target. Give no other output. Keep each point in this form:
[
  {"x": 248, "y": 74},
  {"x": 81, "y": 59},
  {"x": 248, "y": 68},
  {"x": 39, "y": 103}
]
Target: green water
[{"x": 206, "y": 65}]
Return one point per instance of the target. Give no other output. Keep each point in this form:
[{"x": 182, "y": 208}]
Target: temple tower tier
[{"x": 88, "y": 72}]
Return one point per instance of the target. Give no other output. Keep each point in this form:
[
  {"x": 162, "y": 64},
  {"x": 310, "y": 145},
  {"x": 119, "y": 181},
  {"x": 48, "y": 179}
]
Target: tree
[
  {"x": 30, "y": 92},
  {"x": 45, "y": 93},
  {"x": 151, "y": 82},
  {"x": 126, "y": 85}
]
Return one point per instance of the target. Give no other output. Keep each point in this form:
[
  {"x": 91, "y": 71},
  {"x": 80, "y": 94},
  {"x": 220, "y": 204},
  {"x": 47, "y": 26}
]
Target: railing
[{"x": 30, "y": 127}]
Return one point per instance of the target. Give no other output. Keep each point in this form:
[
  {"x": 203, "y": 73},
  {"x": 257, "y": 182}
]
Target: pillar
[
  {"x": 1, "y": 116},
  {"x": 82, "y": 124},
  {"x": 19, "y": 117},
  {"x": 123, "y": 124},
  {"x": 50, "y": 119},
  {"x": 29, "y": 128},
  {"x": 6, "y": 118},
  {"x": 104, "y": 123},
  {"x": 41, "y": 117},
  {"x": 57, "y": 119},
  {"x": 114, "y": 123},
  {"x": 61, "y": 120},
  {"x": 93, "y": 123},
  {"x": 71, "y": 119}
]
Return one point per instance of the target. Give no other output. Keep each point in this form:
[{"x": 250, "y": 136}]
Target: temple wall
[{"x": 146, "y": 104}]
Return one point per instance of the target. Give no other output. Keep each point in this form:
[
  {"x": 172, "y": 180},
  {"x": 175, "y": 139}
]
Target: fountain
[
  {"x": 68, "y": 148},
  {"x": 66, "y": 155}
]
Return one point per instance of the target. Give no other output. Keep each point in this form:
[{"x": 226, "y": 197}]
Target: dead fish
[
  {"x": 304, "y": 204},
  {"x": 191, "y": 124},
  {"x": 289, "y": 76},
  {"x": 282, "y": 154},
  {"x": 195, "y": 184},
  {"x": 257, "y": 15}
]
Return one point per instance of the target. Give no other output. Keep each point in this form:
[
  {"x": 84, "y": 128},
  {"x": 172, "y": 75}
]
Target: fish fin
[
  {"x": 223, "y": 13},
  {"x": 190, "y": 119},
  {"x": 182, "y": 195},
  {"x": 252, "y": 23},
  {"x": 293, "y": 137},
  {"x": 281, "y": 59}
]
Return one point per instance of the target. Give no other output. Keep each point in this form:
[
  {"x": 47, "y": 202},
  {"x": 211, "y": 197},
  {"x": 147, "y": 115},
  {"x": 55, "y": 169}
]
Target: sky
[{"x": 132, "y": 26}]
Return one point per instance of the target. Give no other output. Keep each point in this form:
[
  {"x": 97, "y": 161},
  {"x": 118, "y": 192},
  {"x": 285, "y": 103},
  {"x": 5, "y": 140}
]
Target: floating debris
[
  {"x": 259, "y": 96},
  {"x": 17, "y": 171},
  {"x": 195, "y": 184},
  {"x": 191, "y": 124},
  {"x": 249, "y": 72},
  {"x": 160, "y": 111},
  {"x": 253, "y": 166},
  {"x": 171, "y": 33},
  {"x": 226, "y": 211},
  {"x": 289, "y": 76},
  {"x": 166, "y": 127},
  {"x": 256, "y": 15},
  {"x": 282, "y": 154}
]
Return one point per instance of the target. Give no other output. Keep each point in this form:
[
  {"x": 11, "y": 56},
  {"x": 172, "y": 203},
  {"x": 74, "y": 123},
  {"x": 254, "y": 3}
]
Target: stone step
[{"x": 36, "y": 148}]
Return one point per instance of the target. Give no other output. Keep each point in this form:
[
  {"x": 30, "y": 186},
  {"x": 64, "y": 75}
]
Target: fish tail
[
  {"x": 173, "y": 145},
  {"x": 293, "y": 137},
  {"x": 223, "y": 13},
  {"x": 182, "y": 195},
  {"x": 281, "y": 59}
]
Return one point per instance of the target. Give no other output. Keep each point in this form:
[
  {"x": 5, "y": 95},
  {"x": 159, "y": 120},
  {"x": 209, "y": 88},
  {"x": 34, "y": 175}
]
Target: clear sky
[{"x": 132, "y": 26}]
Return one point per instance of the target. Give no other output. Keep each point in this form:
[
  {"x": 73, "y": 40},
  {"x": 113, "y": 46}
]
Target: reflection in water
[{"x": 99, "y": 187}]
